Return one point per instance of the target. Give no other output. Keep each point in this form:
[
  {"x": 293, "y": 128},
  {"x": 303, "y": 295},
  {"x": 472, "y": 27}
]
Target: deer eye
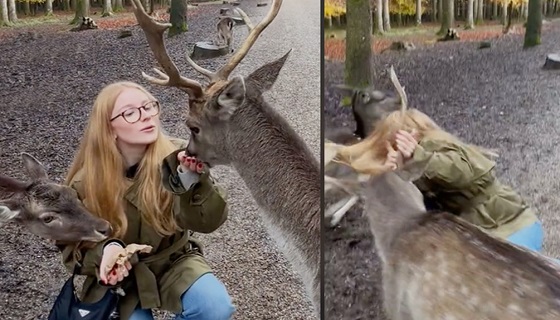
[{"x": 47, "y": 218}]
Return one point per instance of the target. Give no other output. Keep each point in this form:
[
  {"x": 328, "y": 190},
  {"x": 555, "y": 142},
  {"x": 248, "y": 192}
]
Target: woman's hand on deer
[
  {"x": 190, "y": 163},
  {"x": 406, "y": 143},
  {"x": 394, "y": 157},
  {"x": 110, "y": 272}
]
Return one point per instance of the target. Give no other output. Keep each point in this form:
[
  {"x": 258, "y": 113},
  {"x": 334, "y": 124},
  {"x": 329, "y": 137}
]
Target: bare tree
[{"x": 534, "y": 24}]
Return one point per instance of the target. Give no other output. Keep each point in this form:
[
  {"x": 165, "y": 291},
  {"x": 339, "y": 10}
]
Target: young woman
[
  {"x": 129, "y": 173},
  {"x": 452, "y": 175}
]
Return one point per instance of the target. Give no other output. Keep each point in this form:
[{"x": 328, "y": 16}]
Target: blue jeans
[
  {"x": 530, "y": 237},
  {"x": 206, "y": 299}
]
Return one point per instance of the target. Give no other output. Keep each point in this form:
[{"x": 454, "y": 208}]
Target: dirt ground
[
  {"x": 50, "y": 77},
  {"x": 497, "y": 97}
]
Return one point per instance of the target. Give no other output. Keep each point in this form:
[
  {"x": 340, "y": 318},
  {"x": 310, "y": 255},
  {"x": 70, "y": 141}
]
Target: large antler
[
  {"x": 254, "y": 32},
  {"x": 399, "y": 88},
  {"x": 154, "y": 34}
]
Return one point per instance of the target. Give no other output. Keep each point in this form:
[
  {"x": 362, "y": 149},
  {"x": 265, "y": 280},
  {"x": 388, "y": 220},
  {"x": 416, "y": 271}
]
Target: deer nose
[{"x": 105, "y": 228}]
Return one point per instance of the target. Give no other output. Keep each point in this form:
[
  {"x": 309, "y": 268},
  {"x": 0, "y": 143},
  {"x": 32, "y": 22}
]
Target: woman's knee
[{"x": 207, "y": 299}]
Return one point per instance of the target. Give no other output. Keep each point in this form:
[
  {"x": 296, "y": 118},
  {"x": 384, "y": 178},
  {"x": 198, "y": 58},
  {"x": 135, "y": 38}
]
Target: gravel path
[
  {"x": 496, "y": 97},
  {"x": 47, "y": 88}
]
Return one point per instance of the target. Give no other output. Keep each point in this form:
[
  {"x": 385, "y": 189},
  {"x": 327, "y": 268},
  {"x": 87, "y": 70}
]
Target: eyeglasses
[{"x": 133, "y": 115}]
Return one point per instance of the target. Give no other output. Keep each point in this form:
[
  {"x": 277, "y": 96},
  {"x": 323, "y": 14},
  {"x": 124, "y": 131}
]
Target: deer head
[
  {"x": 370, "y": 105},
  {"x": 211, "y": 108},
  {"x": 47, "y": 209}
]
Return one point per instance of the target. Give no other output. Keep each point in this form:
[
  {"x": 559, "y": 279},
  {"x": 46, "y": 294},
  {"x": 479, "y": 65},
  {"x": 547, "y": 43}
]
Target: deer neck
[
  {"x": 388, "y": 225},
  {"x": 284, "y": 178}
]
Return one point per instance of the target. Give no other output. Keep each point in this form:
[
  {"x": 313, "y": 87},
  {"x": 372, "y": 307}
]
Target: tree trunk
[
  {"x": 504, "y": 12},
  {"x": 510, "y": 15},
  {"x": 534, "y": 24},
  {"x": 82, "y": 10},
  {"x": 470, "y": 15},
  {"x": 494, "y": 10},
  {"x": 480, "y": 14},
  {"x": 386, "y": 16},
  {"x": 26, "y": 8},
  {"x": 4, "y": 20},
  {"x": 379, "y": 16},
  {"x": 178, "y": 17},
  {"x": 418, "y": 12},
  {"x": 435, "y": 12},
  {"x": 49, "y": 7},
  {"x": 358, "y": 43},
  {"x": 118, "y": 6},
  {"x": 524, "y": 11},
  {"x": 12, "y": 12},
  {"x": 447, "y": 16},
  {"x": 475, "y": 10},
  {"x": 107, "y": 9}
]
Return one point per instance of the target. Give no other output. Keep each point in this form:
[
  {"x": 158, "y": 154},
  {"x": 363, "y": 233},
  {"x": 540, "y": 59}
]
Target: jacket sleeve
[
  {"x": 87, "y": 260},
  {"x": 200, "y": 207},
  {"x": 448, "y": 165}
]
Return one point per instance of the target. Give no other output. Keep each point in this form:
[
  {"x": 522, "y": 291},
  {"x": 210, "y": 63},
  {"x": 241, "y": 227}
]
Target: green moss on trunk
[
  {"x": 178, "y": 18},
  {"x": 534, "y": 24},
  {"x": 358, "y": 43}
]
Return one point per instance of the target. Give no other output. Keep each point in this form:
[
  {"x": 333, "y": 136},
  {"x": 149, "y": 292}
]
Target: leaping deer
[
  {"x": 231, "y": 124},
  {"x": 49, "y": 210}
]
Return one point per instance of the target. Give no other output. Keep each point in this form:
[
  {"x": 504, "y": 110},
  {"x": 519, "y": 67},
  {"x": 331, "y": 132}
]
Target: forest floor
[
  {"x": 50, "y": 78},
  {"x": 497, "y": 97}
]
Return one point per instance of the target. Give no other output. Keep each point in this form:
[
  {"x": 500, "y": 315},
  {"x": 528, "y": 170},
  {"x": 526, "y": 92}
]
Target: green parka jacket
[
  {"x": 157, "y": 279},
  {"x": 461, "y": 180}
]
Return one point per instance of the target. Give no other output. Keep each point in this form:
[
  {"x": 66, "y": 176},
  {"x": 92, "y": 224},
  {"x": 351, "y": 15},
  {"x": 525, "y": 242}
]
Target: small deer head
[
  {"x": 370, "y": 105},
  {"x": 212, "y": 108},
  {"x": 47, "y": 209}
]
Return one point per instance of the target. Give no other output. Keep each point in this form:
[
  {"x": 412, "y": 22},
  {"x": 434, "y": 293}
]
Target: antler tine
[
  {"x": 399, "y": 88},
  {"x": 245, "y": 18},
  {"x": 154, "y": 35},
  {"x": 212, "y": 76},
  {"x": 225, "y": 71}
]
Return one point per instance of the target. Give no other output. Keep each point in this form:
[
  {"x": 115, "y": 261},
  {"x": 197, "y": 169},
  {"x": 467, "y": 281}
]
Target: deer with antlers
[
  {"x": 231, "y": 124},
  {"x": 369, "y": 106},
  {"x": 49, "y": 210}
]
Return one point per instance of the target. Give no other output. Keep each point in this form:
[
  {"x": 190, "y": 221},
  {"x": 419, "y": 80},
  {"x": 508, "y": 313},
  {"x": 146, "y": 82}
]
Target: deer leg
[{"x": 339, "y": 214}]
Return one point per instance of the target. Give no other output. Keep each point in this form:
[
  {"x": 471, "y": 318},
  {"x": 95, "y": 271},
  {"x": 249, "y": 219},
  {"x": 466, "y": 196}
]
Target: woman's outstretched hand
[
  {"x": 190, "y": 163},
  {"x": 110, "y": 272},
  {"x": 406, "y": 143}
]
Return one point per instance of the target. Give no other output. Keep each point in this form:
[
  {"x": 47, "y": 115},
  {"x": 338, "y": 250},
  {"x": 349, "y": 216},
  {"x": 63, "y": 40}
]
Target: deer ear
[
  {"x": 6, "y": 214},
  {"x": 35, "y": 169},
  {"x": 12, "y": 185},
  {"x": 231, "y": 98},
  {"x": 265, "y": 76}
]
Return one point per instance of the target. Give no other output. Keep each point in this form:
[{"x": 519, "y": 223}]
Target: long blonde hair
[
  {"x": 369, "y": 155},
  {"x": 103, "y": 177}
]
